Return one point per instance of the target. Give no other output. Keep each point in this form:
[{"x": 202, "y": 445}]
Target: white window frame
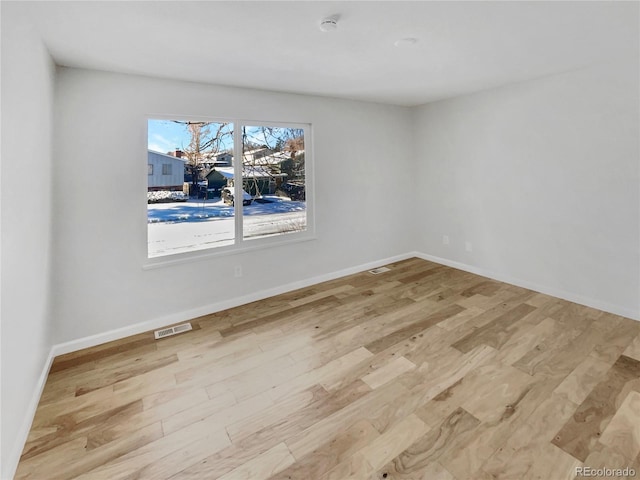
[{"x": 240, "y": 244}]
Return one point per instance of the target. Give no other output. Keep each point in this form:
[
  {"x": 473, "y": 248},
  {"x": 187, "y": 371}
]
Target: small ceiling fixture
[
  {"x": 405, "y": 42},
  {"x": 329, "y": 24}
]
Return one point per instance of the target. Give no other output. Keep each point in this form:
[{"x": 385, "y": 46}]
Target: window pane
[
  {"x": 273, "y": 171},
  {"x": 189, "y": 166}
]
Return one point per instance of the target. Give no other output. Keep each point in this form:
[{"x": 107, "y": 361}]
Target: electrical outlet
[
  {"x": 468, "y": 247},
  {"x": 237, "y": 271},
  {"x": 445, "y": 239}
]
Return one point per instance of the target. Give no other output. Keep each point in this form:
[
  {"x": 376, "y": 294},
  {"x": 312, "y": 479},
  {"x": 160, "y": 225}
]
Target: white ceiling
[{"x": 463, "y": 46}]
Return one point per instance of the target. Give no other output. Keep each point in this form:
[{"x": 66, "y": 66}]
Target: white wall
[
  {"x": 27, "y": 106},
  {"x": 361, "y": 154},
  {"x": 542, "y": 178}
]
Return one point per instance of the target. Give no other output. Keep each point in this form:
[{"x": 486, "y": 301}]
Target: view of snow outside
[
  {"x": 201, "y": 224},
  {"x": 197, "y": 212}
]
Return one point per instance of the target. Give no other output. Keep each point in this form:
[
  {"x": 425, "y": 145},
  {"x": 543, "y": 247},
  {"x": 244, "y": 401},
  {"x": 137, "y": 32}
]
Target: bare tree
[
  {"x": 263, "y": 149},
  {"x": 203, "y": 145},
  {"x": 258, "y": 160},
  {"x": 293, "y": 145}
]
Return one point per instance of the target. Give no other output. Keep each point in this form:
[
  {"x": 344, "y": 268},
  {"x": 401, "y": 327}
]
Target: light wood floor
[{"x": 423, "y": 372}]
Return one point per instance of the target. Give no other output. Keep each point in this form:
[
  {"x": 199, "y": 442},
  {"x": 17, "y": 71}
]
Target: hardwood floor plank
[
  {"x": 391, "y": 443},
  {"x": 388, "y": 415},
  {"x": 493, "y": 435},
  {"x": 563, "y": 336},
  {"x": 602, "y": 457},
  {"x": 113, "y": 430},
  {"x": 75, "y": 410},
  {"x": 70, "y": 360},
  {"x": 623, "y": 431},
  {"x": 118, "y": 376},
  {"x": 366, "y": 366},
  {"x": 430, "y": 380},
  {"x": 255, "y": 380},
  {"x": 421, "y": 273},
  {"x": 526, "y": 445},
  {"x": 145, "y": 462},
  {"x": 71, "y": 460},
  {"x": 416, "y": 460},
  {"x": 461, "y": 319},
  {"x": 331, "y": 454},
  {"x": 327, "y": 373},
  {"x": 217, "y": 370},
  {"x": 495, "y": 333},
  {"x": 388, "y": 372},
  {"x": 618, "y": 337},
  {"x": 579, "y": 383},
  {"x": 210, "y": 414},
  {"x": 67, "y": 429},
  {"x": 244, "y": 449},
  {"x": 500, "y": 393},
  {"x": 377, "y": 323},
  {"x": 263, "y": 466},
  {"x": 409, "y": 331},
  {"x": 275, "y": 413},
  {"x": 324, "y": 430},
  {"x": 488, "y": 288},
  {"x": 354, "y": 468},
  {"x": 520, "y": 344},
  {"x": 633, "y": 350},
  {"x": 315, "y": 296},
  {"x": 582, "y": 431},
  {"x": 324, "y": 303},
  {"x": 557, "y": 465}
]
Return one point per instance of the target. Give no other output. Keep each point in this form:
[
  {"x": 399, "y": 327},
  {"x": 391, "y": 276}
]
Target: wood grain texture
[
  {"x": 623, "y": 431},
  {"x": 416, "y": 460},
  {"x": 423, "y": 372},
  {"x": 578, "y": 436}
]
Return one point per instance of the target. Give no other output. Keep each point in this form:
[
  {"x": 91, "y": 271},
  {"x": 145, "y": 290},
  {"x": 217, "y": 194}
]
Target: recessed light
[
  {"x": 329, "y": 24},
  {"x": 405, "y": 42}
]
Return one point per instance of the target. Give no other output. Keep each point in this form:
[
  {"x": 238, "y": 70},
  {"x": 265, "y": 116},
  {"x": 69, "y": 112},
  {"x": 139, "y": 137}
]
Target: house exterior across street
[
  {"x": 164, "y": 172},
  {"x": 256, "y": 180}
]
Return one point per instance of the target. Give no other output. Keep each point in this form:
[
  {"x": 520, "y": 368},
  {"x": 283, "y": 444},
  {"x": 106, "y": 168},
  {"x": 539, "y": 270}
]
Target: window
[
  {"x": 166, "y": 169},
  {"x": 269, "y": 176},
  {"x": 150, "y": 169}
]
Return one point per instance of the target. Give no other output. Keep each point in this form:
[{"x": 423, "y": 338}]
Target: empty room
[{"x": 429, "y": 267}]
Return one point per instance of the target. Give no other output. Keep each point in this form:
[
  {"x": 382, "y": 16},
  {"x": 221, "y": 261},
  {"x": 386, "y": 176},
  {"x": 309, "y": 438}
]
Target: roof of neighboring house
[
  {"x": 153, "y": 152},
  {"x": 273, "y": 159},
  {"x": 248, "y": 171},
  {"x": 267, "y": 156}
]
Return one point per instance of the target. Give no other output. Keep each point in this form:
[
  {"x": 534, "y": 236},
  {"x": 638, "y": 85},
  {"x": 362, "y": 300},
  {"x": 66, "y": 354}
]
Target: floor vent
[
  {"x": 167, "y": 332},
  {"x": 379, "y": 270}
]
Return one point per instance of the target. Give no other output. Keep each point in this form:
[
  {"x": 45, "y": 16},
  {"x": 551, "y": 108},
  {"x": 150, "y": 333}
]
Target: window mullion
[{"x": 238, "y": 184}]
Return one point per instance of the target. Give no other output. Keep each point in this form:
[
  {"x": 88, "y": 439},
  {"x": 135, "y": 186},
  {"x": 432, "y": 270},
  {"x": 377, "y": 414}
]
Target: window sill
[{"x": 203, "y": 255}]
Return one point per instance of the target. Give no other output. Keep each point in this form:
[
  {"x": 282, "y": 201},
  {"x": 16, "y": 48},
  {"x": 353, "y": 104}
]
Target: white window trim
[{"x": 241, "y": 245}]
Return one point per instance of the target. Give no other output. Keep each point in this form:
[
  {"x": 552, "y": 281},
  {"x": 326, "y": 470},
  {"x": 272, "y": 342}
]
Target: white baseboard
[
  {"x": 11, "y": 464},
  {"x": 554, "y": 292},
  {"x": 164, "y": 321}
]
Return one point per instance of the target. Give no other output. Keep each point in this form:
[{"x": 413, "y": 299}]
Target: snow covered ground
[{"x": 197, "y": 225}]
